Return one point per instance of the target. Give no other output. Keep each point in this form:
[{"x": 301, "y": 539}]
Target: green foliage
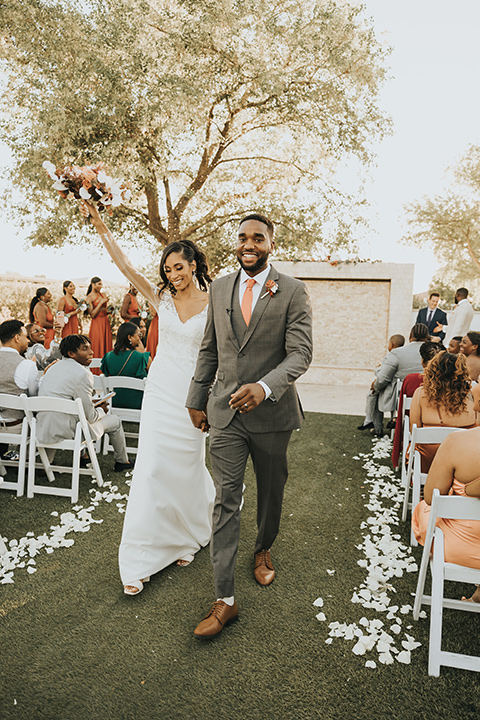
[
  {"x": 208, "y": 109},
  {"x": 451, "y": 223}
]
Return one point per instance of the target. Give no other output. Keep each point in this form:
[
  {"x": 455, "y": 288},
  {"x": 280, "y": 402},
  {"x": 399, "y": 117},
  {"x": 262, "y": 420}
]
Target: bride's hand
[{"x": 88, "y": 209}]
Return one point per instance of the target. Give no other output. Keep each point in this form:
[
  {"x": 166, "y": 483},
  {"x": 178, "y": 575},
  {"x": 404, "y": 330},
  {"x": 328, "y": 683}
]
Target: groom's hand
[
  {"x": 199, "y": 419},
  {"x": 247, "y": 397}
]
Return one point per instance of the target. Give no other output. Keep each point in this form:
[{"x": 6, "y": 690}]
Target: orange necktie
[{"x": 247, "y": 301}]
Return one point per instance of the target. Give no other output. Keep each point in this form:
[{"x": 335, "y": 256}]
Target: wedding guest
[
  {"x": 142, "y": 325},
  {"x": 126, "y": 361},
  {"x": 17, "y": 375},
  {"x": 37, "y": 351},
  {"x": 455, "y": 470},
  {"x": 70, "y": 379},
  {"x": 427, "y": 351},
  {"x": 100, "y": 331},
  {"x": 444, "y": 399},
  {"x": 373, "y": 417},
  {"x": 454, "y": 345},
  {"x": 396, "y": 366},
  {"x": 68, "y": 304},
  {"x": 130, "y": 309},
  {"x": 470, "y": 347},
  {"x": 41, "y": 313},
  {"x": 152, "y": 337}
]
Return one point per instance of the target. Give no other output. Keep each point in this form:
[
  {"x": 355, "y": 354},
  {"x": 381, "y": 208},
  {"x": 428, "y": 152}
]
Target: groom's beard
[{"x": 261, "y": 264}]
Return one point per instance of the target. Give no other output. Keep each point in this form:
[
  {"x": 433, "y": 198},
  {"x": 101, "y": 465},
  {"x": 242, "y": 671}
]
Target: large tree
[
  {"x": 450, "y": 223},
  {"x": 209, "y": 107}
]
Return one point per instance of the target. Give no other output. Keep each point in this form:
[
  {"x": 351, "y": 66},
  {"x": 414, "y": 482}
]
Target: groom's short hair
[{"x": 262, "y": 219}]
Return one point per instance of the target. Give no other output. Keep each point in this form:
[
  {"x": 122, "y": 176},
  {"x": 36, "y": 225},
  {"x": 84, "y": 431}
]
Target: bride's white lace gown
[{"x": 171, "y": 497}]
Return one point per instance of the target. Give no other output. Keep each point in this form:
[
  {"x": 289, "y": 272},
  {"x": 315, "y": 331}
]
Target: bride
[{"x": 169, "y": 508}]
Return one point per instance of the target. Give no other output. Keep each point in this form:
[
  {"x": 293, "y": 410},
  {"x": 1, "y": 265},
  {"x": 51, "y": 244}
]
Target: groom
[{"x": 257, "y": 342}]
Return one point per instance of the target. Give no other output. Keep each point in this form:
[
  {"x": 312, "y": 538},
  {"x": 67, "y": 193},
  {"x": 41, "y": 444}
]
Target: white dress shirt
[
  {"x": 26, "y": 374},
  {"x": 260, "y": 281}
]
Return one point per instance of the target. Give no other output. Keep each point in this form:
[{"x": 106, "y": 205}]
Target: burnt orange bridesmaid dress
[
  {"x": 71, "y": 327},
  {"x": 100, "y": 333},
  {"x": 49, "y": 332},
  {"x": 152, "y": 339}
]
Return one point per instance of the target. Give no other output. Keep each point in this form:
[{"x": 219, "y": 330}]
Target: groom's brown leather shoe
[
  {"x": 219, "y": 617},
  {"x": 263, "y": 571}
]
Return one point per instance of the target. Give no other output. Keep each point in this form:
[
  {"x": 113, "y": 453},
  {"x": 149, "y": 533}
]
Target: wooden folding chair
[
  {"x": 398, "y": 391},
  {"x": 82, "y": 440},
  {"x": 451, "y": 508},
  {"x": 14, "y": 402},
  {"x": 130, "y": 415}
]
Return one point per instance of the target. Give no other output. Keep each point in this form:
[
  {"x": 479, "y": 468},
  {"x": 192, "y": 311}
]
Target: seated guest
[
  {"x": 37, "y": 351},
  {"x": 444, "y": 400},
  {"x": 125, "y": 360},
  {"x": 432, "y": 317},
  {"x": 130, "y": 309},
  {"x": 70, "y": 379},
  {"x": 410, "y": 384},
  {"x": 373, "y": 419},
  {"x": 140, "y": 323},
  {"x": 397, "y": 364},
  {"x": 17, "y": 375},
  {"x": 470, "y": 347},
  {"x": 455, "y": 470},
  {"x": 454, "y": 345}
]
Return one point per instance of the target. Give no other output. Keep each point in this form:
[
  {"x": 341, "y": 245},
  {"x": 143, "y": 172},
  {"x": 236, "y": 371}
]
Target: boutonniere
[{"x": 272, "y": 288}]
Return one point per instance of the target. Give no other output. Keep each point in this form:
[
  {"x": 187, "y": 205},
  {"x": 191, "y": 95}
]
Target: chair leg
[
  {"x": 76, "y": 463},
  {"x": 95, "y": 465},
  {"x": 22, "y": 462},
  {"x": 436, "y": 610},
  {"x": 31, "y": 460}
]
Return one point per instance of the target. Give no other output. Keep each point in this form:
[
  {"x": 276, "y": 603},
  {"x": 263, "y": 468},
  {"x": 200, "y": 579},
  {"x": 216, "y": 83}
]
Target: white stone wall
[{"x": 356, "y": 308}]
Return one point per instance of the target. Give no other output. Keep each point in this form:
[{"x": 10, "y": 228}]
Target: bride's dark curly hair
[
  {"x": 446, "y": 382},
  {"x": 191, "y": 253}
]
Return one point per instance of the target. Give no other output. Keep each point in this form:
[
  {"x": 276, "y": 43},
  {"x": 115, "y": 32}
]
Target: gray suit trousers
[{"x": 229, "y": 451}]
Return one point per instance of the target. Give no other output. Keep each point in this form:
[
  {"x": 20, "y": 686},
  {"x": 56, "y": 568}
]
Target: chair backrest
[
  {"x": 53, "y": 404},
  {"x": 453, "y": 507},
  {"x": 96, "y": 362},
  {"x": 407, "y": 402},
  {"x": 12, "y": 402},
  {"x": 431, "y": 435},
  {"x": 119, "y": 381}
]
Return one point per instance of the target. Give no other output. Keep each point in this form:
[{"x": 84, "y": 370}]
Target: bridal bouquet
[{"x": 89, "y": 182}]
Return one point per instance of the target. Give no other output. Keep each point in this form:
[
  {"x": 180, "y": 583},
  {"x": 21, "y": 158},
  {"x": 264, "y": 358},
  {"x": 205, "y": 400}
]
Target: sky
[{"x": 432, "y": 99}]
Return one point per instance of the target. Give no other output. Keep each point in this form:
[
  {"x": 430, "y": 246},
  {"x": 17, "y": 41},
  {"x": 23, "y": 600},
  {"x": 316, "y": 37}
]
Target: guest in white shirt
[
  {"x": 461, "y": 318},
  {"x": 17, "y": 375}
]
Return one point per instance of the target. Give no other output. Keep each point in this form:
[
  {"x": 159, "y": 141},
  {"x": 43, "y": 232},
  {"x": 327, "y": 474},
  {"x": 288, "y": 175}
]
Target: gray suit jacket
[
  {"x": 276, "y": 348},
  {"x": 69, "y": 380},
  {"x": 399, "y": 363}
]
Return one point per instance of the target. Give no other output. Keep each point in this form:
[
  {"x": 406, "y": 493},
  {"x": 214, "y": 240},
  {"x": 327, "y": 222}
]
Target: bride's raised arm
[{"x": 143, "y": 285}]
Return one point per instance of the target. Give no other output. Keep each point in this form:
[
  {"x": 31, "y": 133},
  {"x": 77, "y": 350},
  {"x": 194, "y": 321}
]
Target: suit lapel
[
  {"x": 260, "y": 307},
  {"x": 229, "y": 297}
]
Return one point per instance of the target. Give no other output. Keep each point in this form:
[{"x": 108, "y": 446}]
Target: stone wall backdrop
[{"x": 356, "y": 308}]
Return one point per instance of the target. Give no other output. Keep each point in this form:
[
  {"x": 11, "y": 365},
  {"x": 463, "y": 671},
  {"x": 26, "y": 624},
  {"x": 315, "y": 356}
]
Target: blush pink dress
[{"x": 462, "y": 537}]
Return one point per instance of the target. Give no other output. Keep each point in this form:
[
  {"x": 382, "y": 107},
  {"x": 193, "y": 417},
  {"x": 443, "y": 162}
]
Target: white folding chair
[
  {"x": 414, "y": 477},
  {"x": 451, "y": 508},
  {"x": 98, "y": 385},
  {"x": 398, "y": 390},
  {"x": 96, "y": 362},
  {"x": 14, "y": 402},
  {"x": 82, "y": 440},
  {"x": 115, "y": 382},
  {"x": 405, "y": 425}
]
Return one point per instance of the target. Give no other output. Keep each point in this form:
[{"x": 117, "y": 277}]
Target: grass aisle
[{"x": 73, "y": 646}]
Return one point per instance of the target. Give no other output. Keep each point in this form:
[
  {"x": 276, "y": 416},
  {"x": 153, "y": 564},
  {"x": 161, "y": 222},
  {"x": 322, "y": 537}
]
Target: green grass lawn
[{"x": 74, "y": 646}]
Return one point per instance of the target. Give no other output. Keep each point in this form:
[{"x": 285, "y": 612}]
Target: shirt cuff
[{"x": 267, "y": 390}]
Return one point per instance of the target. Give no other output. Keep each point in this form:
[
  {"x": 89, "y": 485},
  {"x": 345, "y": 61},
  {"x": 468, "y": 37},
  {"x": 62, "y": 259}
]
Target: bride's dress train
[{"x": 171, "y": 497}]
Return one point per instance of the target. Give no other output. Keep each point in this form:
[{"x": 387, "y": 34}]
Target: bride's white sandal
[
  {"x": 138, "y": 585},
  {"x": 185, "y": 560}
]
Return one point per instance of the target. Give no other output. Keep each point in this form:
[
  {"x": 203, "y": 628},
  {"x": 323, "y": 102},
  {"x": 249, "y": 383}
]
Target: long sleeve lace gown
[{"x": 171, "y": 497}]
